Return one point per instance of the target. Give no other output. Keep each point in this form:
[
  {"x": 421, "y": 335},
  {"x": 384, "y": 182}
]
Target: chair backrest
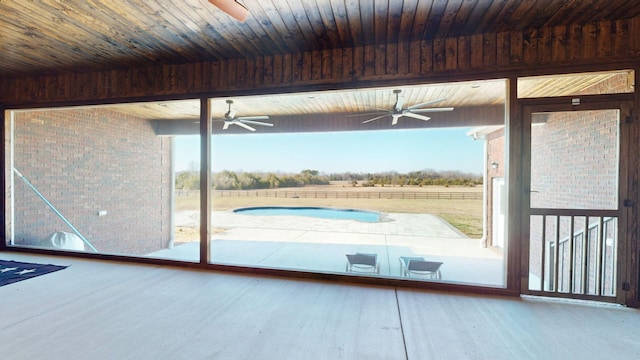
[
  {"x": 426, "y": 266},
  {"x": 362, "y": 259}
]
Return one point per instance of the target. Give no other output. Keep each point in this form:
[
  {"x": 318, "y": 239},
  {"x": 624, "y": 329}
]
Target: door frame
[
  {"x": 626, "y": 281},
  {"x": 498, "y": 211}
]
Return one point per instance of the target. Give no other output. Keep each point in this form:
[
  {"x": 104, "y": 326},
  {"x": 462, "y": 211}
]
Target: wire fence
[{"x": 419, "y": 195}]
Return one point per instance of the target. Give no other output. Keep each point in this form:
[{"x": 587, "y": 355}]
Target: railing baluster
[
  {"x": 599, "y": 251},
  {"x": 556, "y": 252},
  {"x": 585, "y": 256},
  {"x": 543, "y": 256},
  {"x": 614, "y": 257},
  {"x": 571, "y": 254}
]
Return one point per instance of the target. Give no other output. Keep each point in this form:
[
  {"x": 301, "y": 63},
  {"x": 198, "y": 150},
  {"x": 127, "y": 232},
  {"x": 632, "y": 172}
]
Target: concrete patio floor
[{"x": 312, "y": 244}]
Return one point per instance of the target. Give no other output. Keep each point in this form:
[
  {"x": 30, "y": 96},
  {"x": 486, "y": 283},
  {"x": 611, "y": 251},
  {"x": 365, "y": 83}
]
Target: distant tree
[
  {"x": 273, "y": 181},
  {"x": 226, "y": 180},
  {"x": 187, "y": 180}
]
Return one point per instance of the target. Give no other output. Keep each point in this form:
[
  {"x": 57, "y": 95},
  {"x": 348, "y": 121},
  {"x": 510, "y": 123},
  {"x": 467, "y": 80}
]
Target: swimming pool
[{"x": 317, "y": 212}]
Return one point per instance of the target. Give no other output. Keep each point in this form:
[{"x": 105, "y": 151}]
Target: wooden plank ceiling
[
  {"x": 486, "y": 93},
  {"x": 474, "y": 103},
  {"x": 53, "y": 36},
  {"x": 49, "y": 37}
]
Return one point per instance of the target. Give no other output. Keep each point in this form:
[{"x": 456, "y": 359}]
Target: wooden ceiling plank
[
  {"x": 52, "y": 45},
  {"x": 522, "y": 15},
  {"x": 142, "y": 25},
  {"x": 395, "y": 12},
  {"x": 557, "y": 11},
  {"x": 574, "y": 12},
  {"x": 342, "y": 23},
  {"x": 367, "y": 18},
  {"x": 409, "y": 13},
  {"x": 435, "y": 16},
  {"x": 308, "y": 38},
  {"x": 330, "y": 23},
  {"x": 463, "y": 15},
  {"x": 381, "y": 15},
  {"x": 136, "y": 30},
  {"x": 252, "y": 33},
  {"x": 182, "y": 27},
  {"x": 198, "y": 18},
  {"x": 489, "y": 20},
  {"x": 423, "y": 9},
  {"x": 21, "y": 62},
  {"x": 218, "y": 35},
  {"x": 257, "y": 34},
  {"x": 269, "y": 37},
  {"x": 621, "y": 9},
  {"x": 352, "y": 8},
  {"x": 627, "y": 9},
  {"x": 575, "y": 9},
  {"x": 347, "y": 103},
  {"x": 285, "y": 24},
  {"x": 602, "y": 10},
  {"x": 473, "y": 23},
  {"x": 447, "y": 19},
  {"x": 317, "y": 29}
]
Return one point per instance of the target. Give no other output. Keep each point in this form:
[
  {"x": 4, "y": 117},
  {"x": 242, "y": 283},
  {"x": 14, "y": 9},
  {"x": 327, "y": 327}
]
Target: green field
[{"x": 465, "y": 215}]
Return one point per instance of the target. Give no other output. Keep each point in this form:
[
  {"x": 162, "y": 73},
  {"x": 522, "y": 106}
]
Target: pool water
[{"x": 316, "y": 212}]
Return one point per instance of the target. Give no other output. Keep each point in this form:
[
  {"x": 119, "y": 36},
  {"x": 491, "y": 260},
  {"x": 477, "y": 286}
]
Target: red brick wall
[
  {"x": 88, "y": 160},
  {"x": 574, "y": 161}
]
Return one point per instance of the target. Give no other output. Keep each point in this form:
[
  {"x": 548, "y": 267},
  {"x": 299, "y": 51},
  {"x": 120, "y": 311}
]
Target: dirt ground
[{"x": 186, "y": 234}]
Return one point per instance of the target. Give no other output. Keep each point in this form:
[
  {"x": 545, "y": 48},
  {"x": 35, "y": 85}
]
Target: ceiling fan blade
[
  {"x": 395, "y": 118},
  {"x": 255, "y": 122},
  {"x": 371, "y": 113},
  {"x": 420, "y": 111},
  {"x": 416, "y": 116},
  {"x": 375, "y": 118},
  {"x": 226, "y": 125},
  {"x": 426, "y": 103},
  {"x": 244, "y": 125},
  {"x": 260, "y": 117}
]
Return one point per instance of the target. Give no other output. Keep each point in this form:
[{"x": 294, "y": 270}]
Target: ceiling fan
[
  {"x": 413, "y": 111},
  {"x": 242, "y": 121},
  {"x": 233, "y": 8}
]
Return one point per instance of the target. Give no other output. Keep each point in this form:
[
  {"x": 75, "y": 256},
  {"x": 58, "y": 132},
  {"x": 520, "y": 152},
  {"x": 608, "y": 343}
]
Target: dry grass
[{"x": 465, "y": 215}]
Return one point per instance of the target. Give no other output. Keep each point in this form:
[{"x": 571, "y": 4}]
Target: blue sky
[{"x": 336, "y": 152}]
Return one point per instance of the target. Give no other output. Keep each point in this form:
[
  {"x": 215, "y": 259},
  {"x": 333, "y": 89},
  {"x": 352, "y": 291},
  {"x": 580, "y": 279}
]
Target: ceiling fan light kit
[{"x": 233, "y": 8}]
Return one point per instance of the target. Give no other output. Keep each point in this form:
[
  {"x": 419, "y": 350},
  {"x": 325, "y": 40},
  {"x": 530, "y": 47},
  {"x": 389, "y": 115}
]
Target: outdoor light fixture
[
  {"x": 233, "y": 8},
  {"x": 494, "y": 166}
]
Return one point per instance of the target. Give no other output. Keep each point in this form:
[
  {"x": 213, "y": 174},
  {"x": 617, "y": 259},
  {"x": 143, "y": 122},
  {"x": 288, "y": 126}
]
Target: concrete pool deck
[{"x": 313, "y": 244}]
